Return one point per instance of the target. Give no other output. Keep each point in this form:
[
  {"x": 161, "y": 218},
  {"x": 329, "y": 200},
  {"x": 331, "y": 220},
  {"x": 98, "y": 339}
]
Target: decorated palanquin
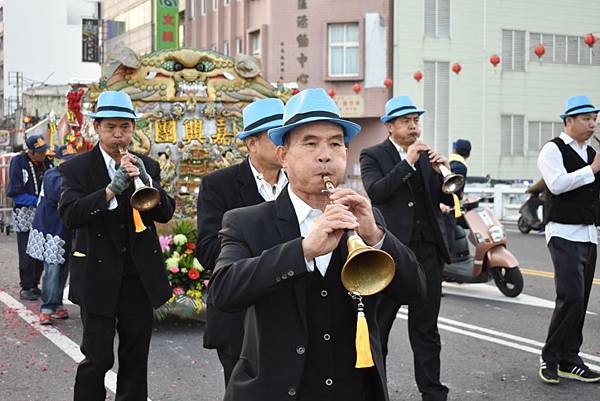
[{"x": 190, "y": 102}]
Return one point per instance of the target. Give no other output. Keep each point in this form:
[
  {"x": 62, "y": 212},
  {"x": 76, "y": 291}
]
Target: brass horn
[
  {"x": 452, "y": 182},
  {"x": 144, "y": 197},
  {"x": 367, "y": 270}
]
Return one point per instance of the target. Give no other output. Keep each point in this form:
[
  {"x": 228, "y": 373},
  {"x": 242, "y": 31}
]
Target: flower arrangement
[{"x": 186, "y": 275}]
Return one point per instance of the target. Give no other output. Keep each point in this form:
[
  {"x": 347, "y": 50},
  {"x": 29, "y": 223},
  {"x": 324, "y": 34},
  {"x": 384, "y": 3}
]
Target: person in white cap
[
  {"x": 117, "y": 269},
  {"x": 259, "y": 178},
  {"x": 281, "y": 262},
  {"x": 570, "y": 168}
]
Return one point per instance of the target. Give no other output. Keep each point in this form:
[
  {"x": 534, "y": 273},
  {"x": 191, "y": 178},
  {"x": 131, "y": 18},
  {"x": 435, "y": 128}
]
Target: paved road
[{"x": 490, "y": 343}]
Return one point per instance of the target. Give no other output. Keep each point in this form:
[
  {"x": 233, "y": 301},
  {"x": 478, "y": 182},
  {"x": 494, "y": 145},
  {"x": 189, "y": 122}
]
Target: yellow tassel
[
  {"x": 137, "y": 221},
  {"x": 364, "y": 358},
  {"x": 457, "y": 212}
]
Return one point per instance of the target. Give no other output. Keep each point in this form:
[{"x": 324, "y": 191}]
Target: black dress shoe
[{"x": 28, "y": 295}]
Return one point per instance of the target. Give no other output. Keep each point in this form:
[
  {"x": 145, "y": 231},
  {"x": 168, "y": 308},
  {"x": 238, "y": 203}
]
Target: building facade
[
  {"x": 337, "y": 45},
  {"x": 132, "y": 23},
  {"x": 507, "y": 111},
  {"x": 41, "y": 43}
]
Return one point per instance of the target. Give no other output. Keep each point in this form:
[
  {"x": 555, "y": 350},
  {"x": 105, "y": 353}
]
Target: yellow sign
[
  {"x": 193, "y": 130},
  {"x": 350, "y": 105},
  {"x": 222, "y": 135},
  {"x": 165, "y": 131}
]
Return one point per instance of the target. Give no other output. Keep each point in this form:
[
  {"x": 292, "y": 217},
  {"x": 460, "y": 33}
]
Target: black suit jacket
[
  {"x": 386, "y": 180},
  {"x": 262, "y": 268},
  {"x": 220, "y": 191},
  {"x": 96, "y": 262}
]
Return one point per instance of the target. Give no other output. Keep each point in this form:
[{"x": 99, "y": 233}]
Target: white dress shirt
[
  {"x": 401, "y": 152},
  {"x": 111, "y": 168},
  {"x": 306, "y": 217},
  {"x": 267, "y": 191},
  {"x": 550, "y": 163}
]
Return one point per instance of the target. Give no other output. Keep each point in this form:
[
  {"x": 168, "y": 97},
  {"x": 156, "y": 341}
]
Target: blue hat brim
[
  {"x": 112, "y": 114},
  {"x": 41, "y": 149},
  {"x": 580, "y": 111},
  {"x": 350, "y": 129},
  {"x": 265, "y": 127},
  {"x": 386, "y": 118}
]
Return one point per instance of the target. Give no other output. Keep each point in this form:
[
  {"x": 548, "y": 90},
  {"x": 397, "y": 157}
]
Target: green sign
[{"x": 167, "y": 24}]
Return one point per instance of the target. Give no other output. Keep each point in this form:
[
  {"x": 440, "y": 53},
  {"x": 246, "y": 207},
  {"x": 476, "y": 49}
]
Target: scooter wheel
[
  {"x": 523, "y": 226},
  {"x": 508, "y": 281}
]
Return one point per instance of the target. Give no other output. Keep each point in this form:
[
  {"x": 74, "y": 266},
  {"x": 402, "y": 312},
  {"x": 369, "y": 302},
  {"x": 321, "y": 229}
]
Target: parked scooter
[{"x": 490, "y": 259}]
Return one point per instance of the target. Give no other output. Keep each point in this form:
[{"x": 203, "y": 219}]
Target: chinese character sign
[
  {"x": 167, "y": 24},
  {"x": 89, "y": 41},
  {"x": 165, "y": 131}
]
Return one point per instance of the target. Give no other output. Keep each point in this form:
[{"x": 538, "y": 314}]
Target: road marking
[
  {"x": 492, "y": 293},
  {"x": 497, "y": 337},
  {"x": 63, "y": 342},
  {"x": 542, "y": 273}
]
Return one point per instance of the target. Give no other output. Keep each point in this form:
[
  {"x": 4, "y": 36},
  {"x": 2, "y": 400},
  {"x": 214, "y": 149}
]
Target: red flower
[
  {"x": 190, "y": 245},
  {"x": 193, "y": 274}
]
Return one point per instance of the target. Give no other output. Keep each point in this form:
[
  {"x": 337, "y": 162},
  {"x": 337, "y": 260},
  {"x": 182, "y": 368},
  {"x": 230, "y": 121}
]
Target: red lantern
[
  {"x": 388, "y": 83},
  {"x": 590, "y": 39},
  {"x": 418, "y": 76},
  {"x": 295, "y": 91},
  {"x": 456, "y": 68},
  {"x": 539, "y": 50},
  {"x": 331, "y": 92},
  {"x": 356, "y": 88},
  {"x": 495, "y": 60}
]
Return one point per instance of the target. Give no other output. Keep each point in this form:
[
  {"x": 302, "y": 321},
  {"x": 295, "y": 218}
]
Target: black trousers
[
  {"x": 30, "y": 269},
  {"x": 574, "y": 266},
  {"x": 133, "y": 323},
  {"x": 422, "y": 324}
]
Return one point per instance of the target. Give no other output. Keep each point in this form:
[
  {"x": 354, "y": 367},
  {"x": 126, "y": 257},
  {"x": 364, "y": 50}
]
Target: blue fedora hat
[
  {"x": 262, "y": 115},
  {"x": 578, "y": 105},
  {"x": 399, "y": 106},
  {"x": 309, "y": 106},
  {"x": 113, "y": 104}
]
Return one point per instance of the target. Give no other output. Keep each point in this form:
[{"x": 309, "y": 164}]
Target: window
[
  {"x": 344, "y": 50},
  {"x": 238, "y": 46},
  {"x": 226, "y": 47},
  {"x": 255, "y": 43},
  {"x": 540, "y": 132},
  {"x": 203, "y": 7},
  {"x": 437, "y": 18},
  {"x": 562, "y": 49},
  {"x": 191, "y": 9},
  {"x": 215, "y": 5},
  {"x": 436, "y": 99},
  {"x": 513, "y": 50},
  {"x": 512, "y": 135},
  {"x": 181, "y": 32}
]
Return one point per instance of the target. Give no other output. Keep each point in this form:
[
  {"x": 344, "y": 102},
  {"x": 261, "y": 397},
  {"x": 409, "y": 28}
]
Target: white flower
[{"x": 179, "y": 239}]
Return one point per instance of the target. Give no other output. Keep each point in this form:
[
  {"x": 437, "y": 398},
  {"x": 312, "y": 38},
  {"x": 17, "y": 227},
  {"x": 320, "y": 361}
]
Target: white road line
[
  {"x": 63, "y": 342},
  {"x": 449, "y": 325},
  {"x": 492, "y": 293}
]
